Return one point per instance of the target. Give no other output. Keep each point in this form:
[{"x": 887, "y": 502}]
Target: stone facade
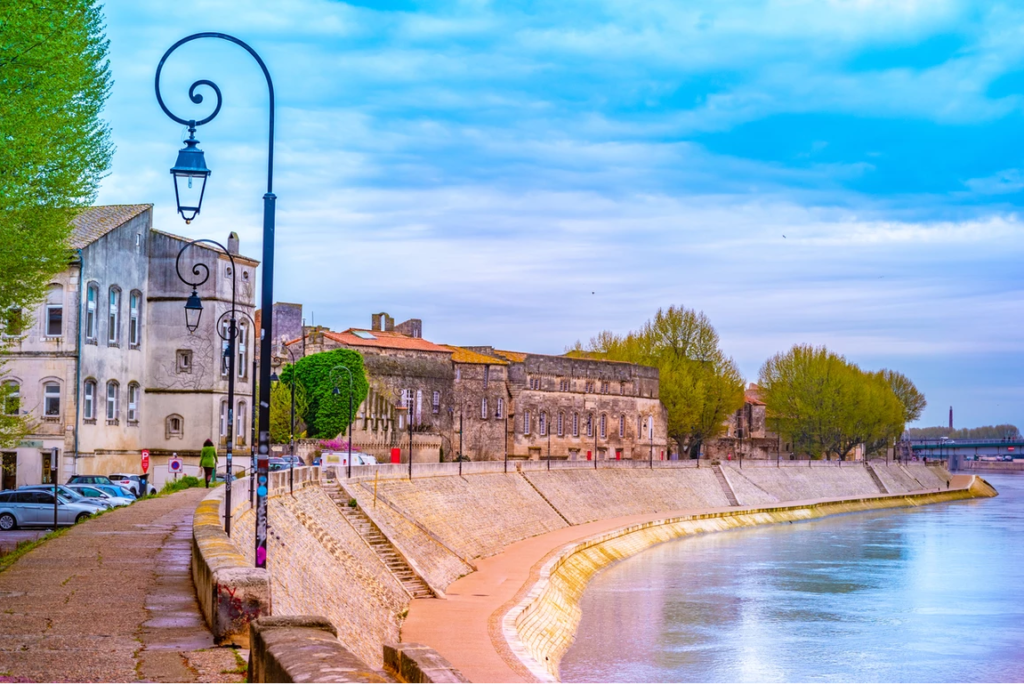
[
  {"x": 746, "y": 435},
  {"x": 106, "y": 368},
  {"x": 485, "y": 403}
]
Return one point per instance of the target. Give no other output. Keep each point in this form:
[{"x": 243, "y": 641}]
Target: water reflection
[{"x": 915, "y": 595}]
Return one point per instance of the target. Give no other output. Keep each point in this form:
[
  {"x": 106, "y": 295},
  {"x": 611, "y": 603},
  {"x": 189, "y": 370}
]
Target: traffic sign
[
  {"x": 174, "y": 465},
  {"x": 145, "y": 461}
]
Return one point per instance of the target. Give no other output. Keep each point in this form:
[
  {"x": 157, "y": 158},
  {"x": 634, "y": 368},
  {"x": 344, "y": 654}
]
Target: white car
[{"x": 94, "y": 492}]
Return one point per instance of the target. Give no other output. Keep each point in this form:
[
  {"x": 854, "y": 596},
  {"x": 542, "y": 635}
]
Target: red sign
[
  {"x": 1010, "y": 448},
  {"x": 396, "y": 455},
  {"x": 145, "y": 461}
]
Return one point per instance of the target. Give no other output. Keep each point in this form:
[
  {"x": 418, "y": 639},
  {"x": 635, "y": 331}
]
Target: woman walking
[{"x": 208, "y": 460}]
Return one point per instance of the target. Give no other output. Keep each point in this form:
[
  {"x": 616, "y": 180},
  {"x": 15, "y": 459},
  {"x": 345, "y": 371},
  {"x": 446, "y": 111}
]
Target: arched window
[
  {"x": 89, "y": 400},
  {"x": 542, "y": 424},
  {"x": 225, "y": 358},
  {"x": 224, "y": 418},
  {"x": 240, "y": 419},
  {"x": 622, "y": 426},
  {"x": 54, "y": 312},
  {"x": 113, "y": 400},
  {"x": 241, "y": 349},
  {"x": 174, "y": 426},
  {"x": 114, "y": 317},
  {"x": 10, "y": 394},
  {"x": 92, "y": 301},
  {"x": 575, "y": 425},
  {"x": 604, "y": 426},
  {"x": 133, "y": 402},
  {"x": 560, "y": 426},
  {"x": 526, "y": 421},
  {"x": 590, "y": 425},
  {"x": 135, "y": 319},
  {"x": 51, "y": 399}
]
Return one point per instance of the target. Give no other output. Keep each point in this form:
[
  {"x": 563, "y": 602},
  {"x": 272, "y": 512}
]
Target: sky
[{"x": 527, "y": 174}]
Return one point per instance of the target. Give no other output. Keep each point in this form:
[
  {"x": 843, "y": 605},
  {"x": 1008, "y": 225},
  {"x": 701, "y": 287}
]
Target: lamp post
[
  {"x": 410, "y": 437},
  {"x": 351, "y": 391},
  {"x": 506, "y": 440},
  {"x": 187, "y": 171},
  {"x": 193, "y": 314},
  {"x": 252, "y": 430}
]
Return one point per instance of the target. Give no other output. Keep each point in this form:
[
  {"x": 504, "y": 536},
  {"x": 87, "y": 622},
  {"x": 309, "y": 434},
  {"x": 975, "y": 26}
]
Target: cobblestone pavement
[{"x": 112, "y": 601}]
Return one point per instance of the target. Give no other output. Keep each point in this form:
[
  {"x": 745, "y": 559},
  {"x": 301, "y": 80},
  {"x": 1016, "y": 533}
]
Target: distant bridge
[{"x": 956, "y": 451}]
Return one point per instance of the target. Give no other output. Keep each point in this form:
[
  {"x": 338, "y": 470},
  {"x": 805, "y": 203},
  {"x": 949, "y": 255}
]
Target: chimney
[
  {"x": 951, "y": 418},
  {"x": 233, "y": 243}
]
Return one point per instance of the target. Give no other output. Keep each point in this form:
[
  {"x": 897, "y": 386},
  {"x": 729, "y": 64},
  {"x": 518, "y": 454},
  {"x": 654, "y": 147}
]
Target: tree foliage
[
  {"x": 54, "y": 148},
  {"x": 326, "y": 414},
  {"x": 1003, "y": 430},
  {"x": 281, "y": 412},
  {"x": 699, "y": 386},
  {"x": 825, "y": 405}
]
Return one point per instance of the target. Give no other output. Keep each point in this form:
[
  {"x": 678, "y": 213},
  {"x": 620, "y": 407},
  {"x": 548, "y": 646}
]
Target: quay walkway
[{"x": 112, "y": 600}]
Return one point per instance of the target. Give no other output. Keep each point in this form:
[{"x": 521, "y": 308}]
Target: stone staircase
[
  {"x": 726, "y": 488},
  {"x": 379, "y": 543},
  {"x": 878, "y": 481}
]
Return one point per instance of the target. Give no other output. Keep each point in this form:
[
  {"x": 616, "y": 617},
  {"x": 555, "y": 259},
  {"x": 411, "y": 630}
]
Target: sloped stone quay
[{"x": 481, "y": 541}]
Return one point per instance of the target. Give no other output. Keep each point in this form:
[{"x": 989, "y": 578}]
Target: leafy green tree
[
  {"x": 698, "y": 385},
  {"x": 907, "y": 393},
  {"x": 54, "y": 148},
  {"x": 281, "y": 412},
  {"x": 326, "y": 414},
  {"x": 1003, "y": 430}
]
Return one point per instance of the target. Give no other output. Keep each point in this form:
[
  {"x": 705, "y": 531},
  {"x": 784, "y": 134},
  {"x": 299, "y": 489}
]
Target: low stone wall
[
  {"x": 541, "y": 626},
  {"x": 416, "y": 663},
  {"x": 230, "y": 591},
  {"x": 302, "y": 649},
  {"x": 1016, "y": 466}
]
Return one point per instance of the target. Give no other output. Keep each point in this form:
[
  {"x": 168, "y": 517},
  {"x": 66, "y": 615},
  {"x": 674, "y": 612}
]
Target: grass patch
[
  {"x": 173, "y": 486},
  {"x": 241, "y": 665},
  {"x": 26, "y": 546}
]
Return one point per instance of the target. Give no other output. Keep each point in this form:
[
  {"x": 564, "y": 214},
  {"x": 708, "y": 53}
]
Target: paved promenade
[
  {"x": 465, "y": 628},
  {"x": 111, "y": 601}
]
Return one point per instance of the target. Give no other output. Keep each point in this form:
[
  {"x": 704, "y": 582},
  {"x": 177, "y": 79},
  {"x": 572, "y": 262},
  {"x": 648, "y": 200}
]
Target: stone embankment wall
[{"x": 541, "y": 626}]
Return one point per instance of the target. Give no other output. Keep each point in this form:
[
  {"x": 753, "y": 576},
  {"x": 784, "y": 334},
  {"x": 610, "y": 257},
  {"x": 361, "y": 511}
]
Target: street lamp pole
[
  {"x": 351, "y": 391},
  {"x": 188, "y": 174},
  {"x": 193, "y": 312},
  {"x": 506, "y": 441},
  {"x": 410, "y": 438}
]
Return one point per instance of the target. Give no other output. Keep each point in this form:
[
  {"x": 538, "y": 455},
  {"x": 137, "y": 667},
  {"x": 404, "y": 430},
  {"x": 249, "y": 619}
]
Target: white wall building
[{"x": 105, "y": 366}]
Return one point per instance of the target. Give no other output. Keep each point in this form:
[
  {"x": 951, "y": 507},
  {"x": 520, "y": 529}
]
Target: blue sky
[{"x": 526, "y": 174}]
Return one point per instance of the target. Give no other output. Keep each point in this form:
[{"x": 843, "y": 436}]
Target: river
[{"x": 928, "y": 594}]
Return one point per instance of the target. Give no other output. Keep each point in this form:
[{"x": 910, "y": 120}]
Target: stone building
[
  {"x": 104, "y": 367},
  {"x": 746, "y": 435},
  {"x": 486, "y": 403}
]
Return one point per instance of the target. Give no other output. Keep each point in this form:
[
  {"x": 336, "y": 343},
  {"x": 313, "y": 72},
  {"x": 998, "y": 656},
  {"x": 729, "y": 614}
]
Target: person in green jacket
[{"x": 208, "y": 460}]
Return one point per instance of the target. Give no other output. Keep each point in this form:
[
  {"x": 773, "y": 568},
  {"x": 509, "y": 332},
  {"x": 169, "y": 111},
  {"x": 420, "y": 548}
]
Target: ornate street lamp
[
  {"x": 192, "y": 169},
  {"x": 190, "y": 174},
  {"x": 193, "y": 310}
]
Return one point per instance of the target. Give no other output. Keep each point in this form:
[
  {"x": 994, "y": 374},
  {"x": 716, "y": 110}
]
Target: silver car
[
  {"x": 95, "y": 492},
  {"x": 35, "y": 508},
  {"x": 70, "y": 495}
]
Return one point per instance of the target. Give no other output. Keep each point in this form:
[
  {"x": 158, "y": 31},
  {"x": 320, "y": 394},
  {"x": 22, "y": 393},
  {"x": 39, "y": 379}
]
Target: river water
[{"x": 929, "y": 594}]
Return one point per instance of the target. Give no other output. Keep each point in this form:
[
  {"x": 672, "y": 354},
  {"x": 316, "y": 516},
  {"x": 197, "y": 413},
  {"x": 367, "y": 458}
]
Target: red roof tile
[{"x": 384, "y": 339}]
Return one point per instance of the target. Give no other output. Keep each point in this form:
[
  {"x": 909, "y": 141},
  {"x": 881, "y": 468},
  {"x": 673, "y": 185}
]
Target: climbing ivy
[{"x": 326, "y": 414}]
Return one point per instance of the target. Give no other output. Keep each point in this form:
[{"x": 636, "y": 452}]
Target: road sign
[
  {"x": 145, "y": 461},
  {"x": 174, "y": 465}
]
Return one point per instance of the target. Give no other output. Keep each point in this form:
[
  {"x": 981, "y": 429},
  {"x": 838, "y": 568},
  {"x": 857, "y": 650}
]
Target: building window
[
  {"x": 526, "y": 422},
  {"x": 575, "y": 425},
  {"x": 225, "y": 359},
  {"x": 184, "y": 358},
  {"x": 114, "y": 319},
  {"x": 563, "y": 385},
  {"x": 650, "y": 427},
  {"x": 590, "y": 425},
  {"x": 622, "y": 388},
  {"x": 604, "y": 426},
  {"x": 589, "y": 387},
  {"x": 622, "y": 426},
  {"x": 483, "y": 408},
  {"x": 534, "y": 384},
  {"x": 92, "y": 299},
  {"x": 604, "y": 387},
  {"x": 487, "y": 374},
  {"x": 500, "y": 413},
  {"x": 11, "y": 392},
  {"x": 53, "y": 326},
  {"x": 240, "y": 424},
  {"x": 224, "y": 418},
  {"x": 133, "y": 403},
  {"x": 435, "y": 404},
  {"x": 241, "y": 342},
  {"x": 543, "y": 423},
  {"x": 134, "y": 322},
  {"x": 458, "y": 373},
  {"x": 113, "y": 400},
  {"x": 51, "y": 399},
  {"x": 89, "y": 400},
  {"x": 560, "y": 423},
  {"x": 175, "y": 426}
]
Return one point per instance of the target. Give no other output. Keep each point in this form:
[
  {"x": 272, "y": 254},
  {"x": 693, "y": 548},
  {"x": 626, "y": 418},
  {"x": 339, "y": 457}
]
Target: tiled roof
[
  {"x": 464, "y": 356},
  {"x": 511, "y": 356},
  {"x": 752, "y": 395},
  {"x": 385, "y": 339},
  {"x": 93, "y": 223}
]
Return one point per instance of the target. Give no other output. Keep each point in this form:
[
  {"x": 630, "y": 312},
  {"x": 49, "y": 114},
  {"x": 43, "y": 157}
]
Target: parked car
[
  {"x": 94, "y": 492},
  {"x": 70, "y": 495},
  {"x": 277, "y": 464},
  {"x": 89, "y": 480},
  {"x": 35, "y": 508},
  {"x": 116, "y": 491},
  {"x": 131, "y": 482},
  {"x": 341, "y": 458},
  {"x": 292, "y": 459}
]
